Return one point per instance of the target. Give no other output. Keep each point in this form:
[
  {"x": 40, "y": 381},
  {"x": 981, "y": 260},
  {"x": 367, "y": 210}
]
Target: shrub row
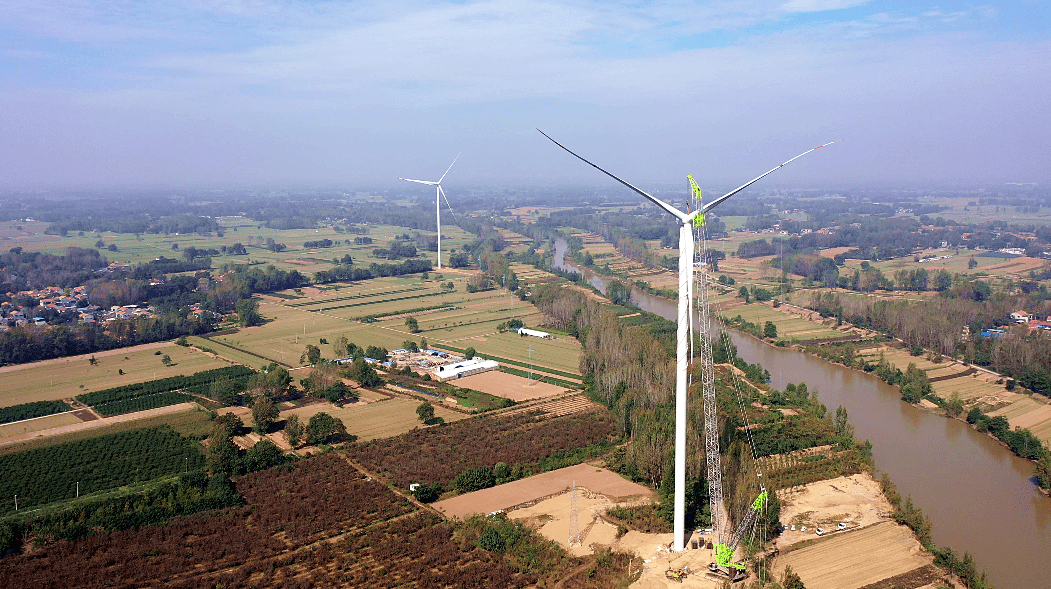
[
  {"x": 198, "y": 381},
  {"x": 141, "y": 403},
  {"x": 31, "y": 410}
]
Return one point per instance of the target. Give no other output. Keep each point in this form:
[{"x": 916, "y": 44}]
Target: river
[{"x": 979, "y": 496}]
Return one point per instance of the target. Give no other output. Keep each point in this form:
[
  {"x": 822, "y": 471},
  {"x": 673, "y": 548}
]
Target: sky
[{"x": 256, "y": 93}]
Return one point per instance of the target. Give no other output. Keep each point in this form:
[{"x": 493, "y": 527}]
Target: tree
[
  {"x": 412, "y": 324},
  {"x": 312, "y": 355},
  {"x": 425, "y": 412},
  {"x": 93, "y": 361},
  {"x": 410, "y": 345},
  {"x": 322, "y": 427},
  {"x": 273, "y": 382},
  {"x": 469, "y": 353},
  {"x": 264, "y": 414},
  {"x": 954, "y": 406},
  {"x": 322, "y": 376},
  {"x": 425, "y": 493},
  {"x": 248, "y": 312},
  {"x": 376, "y": 352},
  {"x": 474, "y": 480},
  {"x": 491, "y": 540},
  {"x": 1043, "y": 470},
  {"x": 293, "y": 431},
  {"x": 790, "y": 580},
  {"x": 222, "y": 452},
  {"x": 770, "y": 330},
  {"x": 100, "y": 244},
  {"x": 263, "y": 455},
  {"x": 363, "y": 372},
  {"x": 226, "y": 390},
  {"x": 501, "y": 471},
  {"x": 743, "y": 293},
  {"x": 841, "y": 422},
  {"x": 342, "y": 346},
  {"x": 460, "y": 260},
  {"x": 423, "y": 344}
]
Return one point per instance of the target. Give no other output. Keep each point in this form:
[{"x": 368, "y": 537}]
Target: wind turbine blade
[
  {"x": 447, "y": 171},
  {"x": 419, "y": 181},
  {"x": 712, "y": 204},
  {"x": 683, "y": 217},
  {"x": 446, "y": 200}
]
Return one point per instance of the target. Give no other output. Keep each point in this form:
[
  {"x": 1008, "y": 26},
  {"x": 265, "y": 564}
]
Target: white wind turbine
[
  {"x": 438, "y": 194},
  {"x": 687, "y": 221}
]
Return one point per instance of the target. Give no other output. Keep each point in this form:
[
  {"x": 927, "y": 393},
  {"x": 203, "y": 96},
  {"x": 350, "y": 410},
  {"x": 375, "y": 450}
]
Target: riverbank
[{"x": 943, "y": 464}]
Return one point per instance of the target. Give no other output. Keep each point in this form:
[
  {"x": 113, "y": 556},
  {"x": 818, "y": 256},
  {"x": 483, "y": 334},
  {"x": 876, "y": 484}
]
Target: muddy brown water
[{"x": 980, "y": 497}]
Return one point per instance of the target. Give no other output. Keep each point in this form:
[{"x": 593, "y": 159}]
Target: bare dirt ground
[
  {"x": 855, "y": 500},
  {"x": 99, "y": 422},
  {"x": 527, "y": 490},
  {"x": 508, "y": 386},
  {"x": 84, "y": 357},
  {"x": 849, "y": 560},
  {"x": 551, "y": 517}
]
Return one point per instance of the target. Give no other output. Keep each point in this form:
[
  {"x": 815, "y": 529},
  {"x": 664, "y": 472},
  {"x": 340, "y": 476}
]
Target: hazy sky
[{"x": 251, "y": 92}]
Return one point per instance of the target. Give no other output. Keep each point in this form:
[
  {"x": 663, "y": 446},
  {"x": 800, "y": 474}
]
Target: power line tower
[{"x": 574, "y": 523}]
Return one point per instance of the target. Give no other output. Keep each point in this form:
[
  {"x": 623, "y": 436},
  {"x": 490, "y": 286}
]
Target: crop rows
[
  {"x": 352, "y": 297},
  {"x": 349, "y": 305},
  {"x": 198, "y": 382},
  {"x": 51, "y": 473},
  {"x": 287, "y": 509},
  {"x": 31, "y": 410},
  {"x": 318, "y": 523},
  {"x": 801, "y": 468},
  {"x": 141, "y": 403},
  {"x": 439, "y": 455}
]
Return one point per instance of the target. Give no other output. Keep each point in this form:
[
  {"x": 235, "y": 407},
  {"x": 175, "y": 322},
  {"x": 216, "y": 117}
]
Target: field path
[
  {"x": 84, "y": 357},
  {"x": 65, "y": 429}
]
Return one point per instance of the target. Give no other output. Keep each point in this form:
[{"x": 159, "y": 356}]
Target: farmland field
[
  {"x": 378, "y": 419},
  {"x": 509, "y": 386},
  {"x": 789, "y": 327},
  {"x": 62, "y": 379},
  {"x": 38, "y": 424},
  {"x": 191, "y": 421},
  {"x": 508, "y": 495},
  {"x": 146, "y": 247},
  {"x": 857, "y": 558},
  {"x": 461, "y": 320}
]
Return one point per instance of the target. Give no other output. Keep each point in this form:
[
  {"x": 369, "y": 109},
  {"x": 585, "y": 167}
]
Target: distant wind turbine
[
  {"x": 687, "y": 221},
  {"x": 438, "y": 194}
]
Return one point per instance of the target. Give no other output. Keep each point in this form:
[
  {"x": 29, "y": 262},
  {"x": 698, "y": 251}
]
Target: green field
[
  {"x": 45, "y": 382},
  {"x": 192, "y": 422},
  {"x": 789, "y": 327}
]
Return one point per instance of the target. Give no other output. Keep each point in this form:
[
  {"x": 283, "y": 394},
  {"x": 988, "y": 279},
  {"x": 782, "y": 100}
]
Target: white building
[
  {"x": 534, "y": 333},
  {"x": 465, "y": 368}
]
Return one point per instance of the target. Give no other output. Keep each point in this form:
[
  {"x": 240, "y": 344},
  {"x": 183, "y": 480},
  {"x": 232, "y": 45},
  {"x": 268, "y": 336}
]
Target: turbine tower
[
  {"x": 687, "y": 220},
  {"x": 438, "y": 194}
]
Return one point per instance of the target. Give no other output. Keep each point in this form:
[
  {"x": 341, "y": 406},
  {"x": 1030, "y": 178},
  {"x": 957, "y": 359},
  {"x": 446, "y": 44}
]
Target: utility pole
[
  {"x": 78, "y": 489},
  {"x": 530, "y": 363}
]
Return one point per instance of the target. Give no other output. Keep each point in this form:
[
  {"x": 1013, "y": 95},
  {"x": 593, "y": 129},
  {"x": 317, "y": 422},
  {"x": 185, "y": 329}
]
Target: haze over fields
[{"x": 174, "y": 94}]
